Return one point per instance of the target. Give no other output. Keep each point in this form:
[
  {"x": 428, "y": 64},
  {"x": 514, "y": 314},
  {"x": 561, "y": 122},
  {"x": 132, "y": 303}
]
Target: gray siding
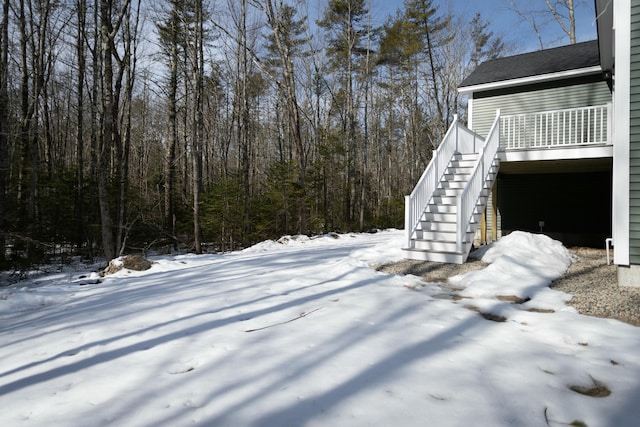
[
  {"x": 535, "y": 99},
  {"x": 634, "y": 139}
]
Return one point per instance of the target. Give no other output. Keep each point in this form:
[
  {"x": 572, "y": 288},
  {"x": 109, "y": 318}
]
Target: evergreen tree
[
  {"x": 343, "y": 22},
  {"x": 433, "y": 31},
  {"x": 399, "y": 45},
  {"x": 284, "y": 44},
  {"x": 173, "y": 33},
  {"x": 486, "y": 45}
]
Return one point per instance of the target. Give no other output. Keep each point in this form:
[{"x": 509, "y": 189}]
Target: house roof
[{"x": 579, "y": 58}]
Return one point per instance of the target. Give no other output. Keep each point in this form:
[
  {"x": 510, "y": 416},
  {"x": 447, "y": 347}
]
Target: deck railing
[
  {"x": 457, "y": 138},
  {"x": 472, "y": 191},
  {"x": 559, "y": 128}
]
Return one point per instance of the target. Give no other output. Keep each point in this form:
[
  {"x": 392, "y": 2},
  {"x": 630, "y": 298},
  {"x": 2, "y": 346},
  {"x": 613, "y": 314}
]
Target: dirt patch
[
  {"x": 431, "y": 272},
  {"x": 487, "y": 316},
  {"x": 541, "y": 310},
  {"x": 512, "y": 299},
  {"x": 598, "y": 389}
]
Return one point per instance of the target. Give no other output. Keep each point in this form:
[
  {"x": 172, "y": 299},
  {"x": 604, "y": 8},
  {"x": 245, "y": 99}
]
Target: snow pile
[
  {"x": 14, "y": 299},
  {"x": 306, "y": 333},
  {"x": 522, "y": 265}
]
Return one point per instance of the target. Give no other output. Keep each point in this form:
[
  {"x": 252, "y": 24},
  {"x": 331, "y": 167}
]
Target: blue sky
[{"x": 502, "y": 18}]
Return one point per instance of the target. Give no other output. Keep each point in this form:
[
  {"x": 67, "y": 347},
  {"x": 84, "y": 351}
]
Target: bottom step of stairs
[{"x": 436, "y": 256}]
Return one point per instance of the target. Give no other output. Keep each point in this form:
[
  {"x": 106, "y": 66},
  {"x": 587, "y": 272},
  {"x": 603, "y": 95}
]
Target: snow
[{"x": 305, "y": 332}]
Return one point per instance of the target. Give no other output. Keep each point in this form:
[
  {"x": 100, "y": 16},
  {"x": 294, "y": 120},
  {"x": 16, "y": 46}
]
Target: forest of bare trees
[{"x": 209, "y": 125}]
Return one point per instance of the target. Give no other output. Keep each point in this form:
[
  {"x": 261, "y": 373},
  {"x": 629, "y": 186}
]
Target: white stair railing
[
  {"x": 468, "y": 200},
  {"x": 457, "y": 139}
]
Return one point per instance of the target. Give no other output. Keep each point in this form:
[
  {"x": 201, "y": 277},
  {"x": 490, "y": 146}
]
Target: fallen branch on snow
[{"x": 300, "y": 316}]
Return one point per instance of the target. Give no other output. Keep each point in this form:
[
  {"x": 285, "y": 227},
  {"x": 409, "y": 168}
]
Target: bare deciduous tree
[
  {"x": 560, "y": 11},
  {"x": 4, "y": 119}
]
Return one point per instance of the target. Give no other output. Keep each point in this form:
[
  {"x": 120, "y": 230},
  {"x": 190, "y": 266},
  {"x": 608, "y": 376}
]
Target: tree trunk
[
  {"x": 80, "y": 51},
  {"x": 4, "y": 121},
  {"x": 288, "y": 85},
  {"x": 107, "y": 134},
  {"x": 198, "y": 137},
  {"x": 243, "y": 117},
  {"x": 128, "y": 68},
  {"x": 172, "y": 140}
]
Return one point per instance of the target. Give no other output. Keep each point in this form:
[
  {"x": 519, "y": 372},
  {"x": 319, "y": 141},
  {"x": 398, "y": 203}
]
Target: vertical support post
[
  {"x": 459, "y": 231},
  {"x": 408, "y": 227},
  {"x": 494, "y": 193},
  {"x": 455, "y": 120},
  {"x": 609, "y": 124},
  {"x": 494, "y": 211},
  {"x": 436, "y": 160}
]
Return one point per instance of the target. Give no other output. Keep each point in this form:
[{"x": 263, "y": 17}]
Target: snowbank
[
  {"x": 306, "y": 333},
  {"x": 522, "y": 265}
]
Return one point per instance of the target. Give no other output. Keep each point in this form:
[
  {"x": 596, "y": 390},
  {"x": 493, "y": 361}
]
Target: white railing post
[
  {"x": 609, "y": 123},
  {"x": 407, "y": 219},
  {"x": 459, "y": 223},
  {"x": 455, "y": 120},
  {"x": 436, "y": 161}
]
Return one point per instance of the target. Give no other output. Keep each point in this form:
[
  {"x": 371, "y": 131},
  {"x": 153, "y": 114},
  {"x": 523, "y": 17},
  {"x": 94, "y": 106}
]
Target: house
[{"x": 552, "y": 145}]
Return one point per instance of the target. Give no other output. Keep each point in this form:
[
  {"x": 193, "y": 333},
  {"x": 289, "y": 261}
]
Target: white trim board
[
  {"x": 531, "y": 79},
  {"x": 621, "y": 114}
]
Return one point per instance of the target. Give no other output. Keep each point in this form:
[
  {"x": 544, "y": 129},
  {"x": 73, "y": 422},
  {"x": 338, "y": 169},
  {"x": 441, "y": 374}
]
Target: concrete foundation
[{"x": 629, "y": 276}]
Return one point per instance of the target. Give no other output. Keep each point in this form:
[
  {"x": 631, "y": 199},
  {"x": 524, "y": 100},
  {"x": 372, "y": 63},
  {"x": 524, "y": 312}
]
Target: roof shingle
[{"x": 547, "y": 61}]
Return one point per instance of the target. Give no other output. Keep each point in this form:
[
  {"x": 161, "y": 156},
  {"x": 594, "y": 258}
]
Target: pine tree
[
  {"x": 284, "y": 44},
  {"x": 432, "y": 29},
  {"x": 486, "y": 45},
  {"x": 173, "y": 33},
  {"x": 342, "y": 21}
]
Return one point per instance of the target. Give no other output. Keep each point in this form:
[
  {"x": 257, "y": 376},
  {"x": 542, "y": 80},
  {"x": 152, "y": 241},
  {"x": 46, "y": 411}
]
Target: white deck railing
[
  {"x": 559, "y": 128},
  {"x": 472, "y": 191},
  {"x": 457, "y": 139}
]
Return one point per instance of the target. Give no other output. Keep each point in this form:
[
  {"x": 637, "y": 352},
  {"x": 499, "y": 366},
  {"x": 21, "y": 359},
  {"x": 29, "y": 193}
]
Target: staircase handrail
[
  {"x": 468, "y": 200},
  {"x": 416, "y": 203}
]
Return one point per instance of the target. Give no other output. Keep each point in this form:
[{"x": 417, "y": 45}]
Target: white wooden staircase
[{"x": 444, "y": 210}]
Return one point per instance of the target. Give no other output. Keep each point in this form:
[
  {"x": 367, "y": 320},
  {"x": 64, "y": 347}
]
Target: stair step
[
  {"x": 445, "y": 257},
  {"x": 446, "y": 225},
  {"x": 452, "y": 184},
  {"x": 462, "y": 163},
  {"x": 444, "y": 200},
  {"x": 463, "y": 170},
  {"x": 440, "y": 217},
  {"x": 439, "y": 208},
  {"x": 443, "y": 236},
  {"x": 438, "y": 226},
  {"x": 435, "y": 245},
  {"x": 466, "y": 156},
  {"x": 453, "y": 176},
  {"x": 447, "y": 192}
]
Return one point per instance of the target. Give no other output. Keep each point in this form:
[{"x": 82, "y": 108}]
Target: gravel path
[
  {"x": 589, "y": 279},
  {"x": 595, "y": 290}
]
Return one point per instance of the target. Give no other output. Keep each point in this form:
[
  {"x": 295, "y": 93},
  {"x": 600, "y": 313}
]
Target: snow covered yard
[{"x": 306, "y": 333}]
